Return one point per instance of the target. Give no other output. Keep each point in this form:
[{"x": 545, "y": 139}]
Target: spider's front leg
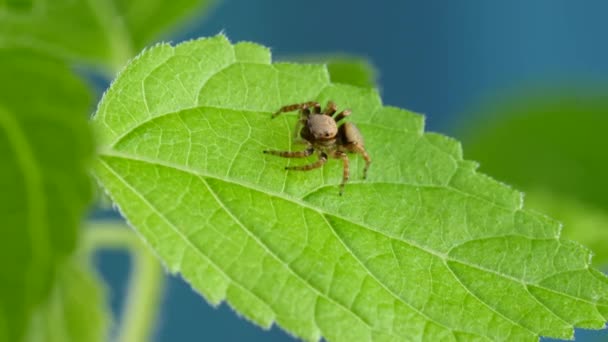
[
  {"x": 330, "y": 109},
  {"x": 342, "y": 115},
  {"x": 346, "y": 169},
  {"x": 368, "y": 160},
  {"x": 322, "y": 160},
  {"x": 291, "y": 154},
  {"x": 301, "y": 106}
]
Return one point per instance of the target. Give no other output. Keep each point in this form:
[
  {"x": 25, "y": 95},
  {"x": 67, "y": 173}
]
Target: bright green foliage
[
  {"x": 45, "y": 147},
  {"x": 425, "y": 248},
  {"x": 108, "y": 31},
  {"x": 75, "y": 309},
  {"x": 552, "y": 144}
]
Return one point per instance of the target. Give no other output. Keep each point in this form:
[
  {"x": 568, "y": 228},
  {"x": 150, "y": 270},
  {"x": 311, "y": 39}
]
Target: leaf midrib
[
  {"x": 182, "y": 236},
  {"x": 220, "y": 270},
  {"x": 441, "y": 256},
  {"x": 150, "y": 119},
  {"x": 319, "y": 210},
  {"x": 263, "y": 245}
]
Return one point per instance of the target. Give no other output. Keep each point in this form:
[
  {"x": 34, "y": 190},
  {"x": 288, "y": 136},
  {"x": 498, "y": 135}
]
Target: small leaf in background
[
  {"x": 552, "y": 144},
  {"x": 352, "y": 70},
  {"x": 426, "y": 248},
  {"x": 345, "y": 69},
  {"x": 45, "y": 150},
  {"x": 109, "y": 32}
]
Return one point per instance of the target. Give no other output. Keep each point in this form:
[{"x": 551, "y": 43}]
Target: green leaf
[
  {"x": 76, "y": 308},
  {"x": 351, "y": 70},
  {"x": 345, "y": 69},
  {"x": 551, "y": 143},
  {"x": 552, "y": 139},
  {"x": 48, "y": 26},
  {"x": 109, "y": 32},
  {"x": 582, "y": 222},
  {"x": 425, "y": 248},
  {"x": 45, "y": 147},
  {"x": 147, "y": 20}
]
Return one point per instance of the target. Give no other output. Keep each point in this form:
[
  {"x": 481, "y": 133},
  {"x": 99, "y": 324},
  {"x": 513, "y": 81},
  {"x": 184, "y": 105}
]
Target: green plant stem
[{"x": 145, "y": 284}]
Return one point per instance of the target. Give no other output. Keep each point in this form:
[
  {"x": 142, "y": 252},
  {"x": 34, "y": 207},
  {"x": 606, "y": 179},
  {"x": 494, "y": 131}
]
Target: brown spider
[{"x": 322, "y": 132}]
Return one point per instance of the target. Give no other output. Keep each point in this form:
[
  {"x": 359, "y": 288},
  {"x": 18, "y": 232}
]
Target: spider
[{"x": 324, "y": 133}]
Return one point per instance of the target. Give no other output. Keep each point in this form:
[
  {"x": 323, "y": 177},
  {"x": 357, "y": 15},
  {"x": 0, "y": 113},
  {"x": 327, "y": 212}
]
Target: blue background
[{"x": 440, "y": 58}]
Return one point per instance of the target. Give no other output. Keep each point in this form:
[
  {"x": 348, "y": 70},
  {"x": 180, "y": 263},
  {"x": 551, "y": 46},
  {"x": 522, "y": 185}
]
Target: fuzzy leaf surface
[{"x": 426, "y": 248}]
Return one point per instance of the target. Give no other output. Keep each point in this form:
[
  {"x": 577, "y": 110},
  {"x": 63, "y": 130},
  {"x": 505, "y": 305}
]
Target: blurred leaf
[
  {"x": 342, "y": 68},
  {"x": 147, "y": 20},
  {"x": 106, "y": 32},
  {"x": 351, "y": 70},
  {"x": 45, "y": 147},
  {"x": 555, "y": 140},
  {"x": 552, "y": 142},
  {"x": 76, "y": 308},
  {"x": 426, "y": 248},
  {"x": 582, "y": 222},
  {"x": 64, "y": 28}
]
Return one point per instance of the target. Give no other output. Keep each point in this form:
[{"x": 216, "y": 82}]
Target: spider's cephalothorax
[{"x": 327, "y": 135}]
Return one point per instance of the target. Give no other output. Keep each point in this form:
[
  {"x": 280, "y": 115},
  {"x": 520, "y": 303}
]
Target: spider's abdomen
[{"x": 349, "y": 134}]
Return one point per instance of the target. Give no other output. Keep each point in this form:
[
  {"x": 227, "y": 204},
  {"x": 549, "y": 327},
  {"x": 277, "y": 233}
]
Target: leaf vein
[
  {"x": 181, "y": 235},
  {"x": 273, "y": 254}
]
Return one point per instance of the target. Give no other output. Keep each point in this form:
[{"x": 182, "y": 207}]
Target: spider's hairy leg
[
  {"x": 322, "y": 160},
  {"x": 291, "y": 154},
  {"x": 331, "y": 108},
  {"x": 316, "y": 108},
  {"x": 300, "y": 106},
  {"x": 342, "y": 115},
  {"x": 346, "y": 170},
  {"x": 361, "y": 150},
  {"x": 296, "y": 131}
]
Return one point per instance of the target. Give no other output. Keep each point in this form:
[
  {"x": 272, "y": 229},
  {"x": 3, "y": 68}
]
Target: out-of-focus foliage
[
  {"x": 352, "y": 70},
  {"x": 103, "y": 32},
  {"x": 45, "y": 144},
  {"x": 76, "y": 308},
  {"x": 45, "y": 147},
  {"x": 344, "y": 68},
  {"x": 147, "y": 20},
  {"x": 551, "y": 143}
]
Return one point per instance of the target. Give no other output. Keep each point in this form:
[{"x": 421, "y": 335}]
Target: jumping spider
[{"x": 323, "y": 133}]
